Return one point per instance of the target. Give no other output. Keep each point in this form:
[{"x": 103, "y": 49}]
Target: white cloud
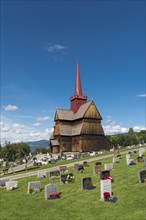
[
  {"x": 138, "y": 128},
  {"x": 55, "y": 48},
  {"x": 114, "y": 129},
  {"x": 13, "y": 132},
  {"x": 10, "y": 107},
  {"x": 142, "y": 95},
  {"x": 18, "y": 126},
  {"x": 43, "y": 118},
  {"x": 36, "y": 124}
]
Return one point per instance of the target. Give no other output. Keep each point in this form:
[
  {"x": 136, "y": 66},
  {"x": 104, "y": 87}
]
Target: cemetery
[{"x": 79, "y": 195}]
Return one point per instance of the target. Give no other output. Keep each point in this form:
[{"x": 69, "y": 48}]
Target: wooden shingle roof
[{"x": 63, "y": 114}]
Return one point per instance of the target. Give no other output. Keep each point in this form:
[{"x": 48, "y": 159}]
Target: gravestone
[
  {"x": 141, "y": 152},
  {"x": 41, "y": 174},
  {"x": 10, "y": 185},
  {"x": 3, "y": 182},
  {"x": 140, "y": 159},
  {"x": 104, "y": 174},
  {"x": 34, "y": 187},
  {"x": 76, "y": 166},
  {"x": 98, "y": 163},
  {"x": 96, "y": 169},
  {"x": 142, "y": 176},
  {"x": 119, "y": 156},
  {"x": 105, "y": 186},
  {"x": 53, "y": 161},
  {"x": 63, "y": 169},
  {"x": 108, "y": 166},
  {"x": 86, "y": 183},
  {"x": 53, "y": 174},
  {"x": 116, "y": 160},
  {"x": 144, "y": 162},
  {"x": 49, "y": 189},
  {"x": 128, "y": 158},
  {"x": 85, "y": 164},
  {"x": 81, "y": 169},
  {"x": 67, "y": 178}
]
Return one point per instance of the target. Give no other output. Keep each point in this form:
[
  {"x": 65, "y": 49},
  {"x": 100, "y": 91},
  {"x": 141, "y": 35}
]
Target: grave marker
[
  {"x": 142, "y": 176},
  {"x": 34, "y": 187},
  {"x": 67, "y": 178},
  {"x": 86, "y": 183},
  {"x": 41, "y": 174},
  {"x": 96, "y": 169},
  {"x": 116, "y": 159},
  {"x": 105, "y": 186},
  {"x": 49, "y": 189},
  {"x": 108, "y": 166},
  {"x": 53, "y": 174},
  {"x": 63, "y": 169},
  {"x": 10, "y": 185}
]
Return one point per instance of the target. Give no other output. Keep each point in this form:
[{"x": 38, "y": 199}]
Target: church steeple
[
  {"x": 78, "y": 87},
  {"x": 78, "y": 99}
]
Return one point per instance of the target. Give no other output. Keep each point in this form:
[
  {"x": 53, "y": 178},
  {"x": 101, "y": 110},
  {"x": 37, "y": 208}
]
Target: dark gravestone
[
  {"x": 85, "y": 164},
  {"x": 104, "y": 174},
  {"x": 142, "y": 176},
  {"x": 98, "y": 163},
  {"x": 119, "y": 155},
  {"x": 81, "y": 169},
  {"x": 67, "y": 178},
  {"x": 54, "y": 174},
  {"x": 140, "y": 159},
  {"x": 87, "y": 183},
  {"x": 134, "y": 151}
]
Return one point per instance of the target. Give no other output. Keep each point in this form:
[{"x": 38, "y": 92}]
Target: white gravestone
[
  {"x": 141, "y": 151},
  {"x": 105, "y": 186},
  {"x": 50, "y": 188},
  {"x": 128, "y": 160},
  {"x": 41, "y": 174},
  {"x": 34, "y": 187},
  {"x": 108, "y": 166},
  {"x": 10, "y": 185},
  {"x": 116, "y": 159}
]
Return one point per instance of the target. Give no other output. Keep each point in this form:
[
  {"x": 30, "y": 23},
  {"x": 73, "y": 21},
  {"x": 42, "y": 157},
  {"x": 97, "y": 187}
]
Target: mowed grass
[{"x": 76, "y": 203}]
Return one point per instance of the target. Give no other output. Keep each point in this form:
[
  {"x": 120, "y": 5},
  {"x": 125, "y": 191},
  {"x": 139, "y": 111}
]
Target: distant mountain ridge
[{"x": 35, "y": 144}]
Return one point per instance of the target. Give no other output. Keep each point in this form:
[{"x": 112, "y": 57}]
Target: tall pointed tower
[{"x": 78, "y": 99}]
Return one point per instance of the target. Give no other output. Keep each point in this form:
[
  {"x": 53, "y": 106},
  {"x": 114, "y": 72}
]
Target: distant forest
[{"x": 128, "y": 139}]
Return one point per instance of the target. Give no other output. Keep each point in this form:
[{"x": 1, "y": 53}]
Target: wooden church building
[{"x": 79, "y": 128}]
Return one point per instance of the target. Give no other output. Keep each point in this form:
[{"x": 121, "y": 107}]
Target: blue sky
[{"x": 40, "y": 44}]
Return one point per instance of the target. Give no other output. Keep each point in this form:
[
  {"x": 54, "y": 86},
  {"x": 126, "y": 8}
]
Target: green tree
[
  {"x": 133, "y": 138},
  {"x": 23, "y": 151},
  {"x": 142, "y": 136}
]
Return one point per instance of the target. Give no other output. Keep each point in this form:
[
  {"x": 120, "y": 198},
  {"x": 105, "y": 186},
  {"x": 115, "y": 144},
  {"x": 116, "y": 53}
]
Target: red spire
[
  {"x": 78, "y": 87},
  {"x": 78, "y": 99}
]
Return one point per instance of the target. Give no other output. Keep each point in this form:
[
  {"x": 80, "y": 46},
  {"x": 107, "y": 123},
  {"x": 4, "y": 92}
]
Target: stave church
[{"x": 79, "y": 128}]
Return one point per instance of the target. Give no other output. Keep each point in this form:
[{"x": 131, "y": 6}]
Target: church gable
[
  {"x": 62, "y": 114},
  {"x": 92, "y": 112}
]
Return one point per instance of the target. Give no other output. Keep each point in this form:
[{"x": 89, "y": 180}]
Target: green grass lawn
[{"x": 78, "y": 204}]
